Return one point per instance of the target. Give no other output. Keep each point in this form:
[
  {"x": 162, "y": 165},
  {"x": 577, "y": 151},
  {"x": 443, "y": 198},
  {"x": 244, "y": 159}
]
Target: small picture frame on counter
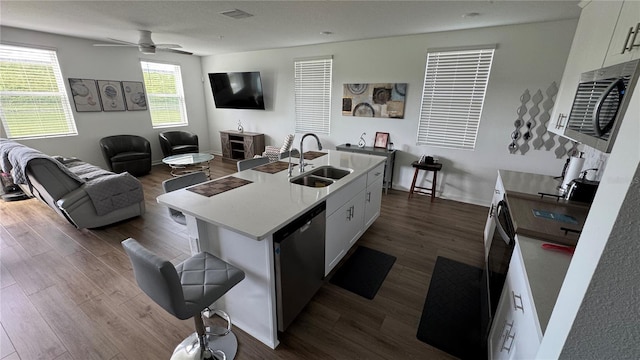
[{"x": 382, "y": 140}]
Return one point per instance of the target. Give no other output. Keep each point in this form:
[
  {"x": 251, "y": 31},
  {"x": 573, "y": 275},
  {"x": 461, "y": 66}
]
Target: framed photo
[
  {"x": 382, "y": 140},
  {"x": 134, "y": 95},
  {"x": 85, "y": 94},
  {"x": 111, "y": 95}
]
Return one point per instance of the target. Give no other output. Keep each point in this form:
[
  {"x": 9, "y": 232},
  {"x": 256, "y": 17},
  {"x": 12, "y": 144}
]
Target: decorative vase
[
  {"x": 240, "y": 128},
  {"x": 362, "y": 143}
]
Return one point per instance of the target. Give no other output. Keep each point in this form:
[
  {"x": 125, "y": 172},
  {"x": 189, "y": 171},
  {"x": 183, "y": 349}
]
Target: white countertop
[
  {"x": 527, "y": 183},
  {"x": 258, "y": 209},
  {"x": 545, "y": 270}
]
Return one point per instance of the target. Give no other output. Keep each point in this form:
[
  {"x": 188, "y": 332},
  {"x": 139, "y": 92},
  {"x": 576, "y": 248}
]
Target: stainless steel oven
[
  {"x": 497, "y": 264},
  {"x": 600, "y": 103}
]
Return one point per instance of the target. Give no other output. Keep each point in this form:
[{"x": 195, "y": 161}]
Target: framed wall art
[
  {"x": 374, "y": 100},
  {"x": 111, "y": 95},
  {"x": 381, "y": 140},
  {"x": 85, "y": 94},
  {"x": 134, "y": 95}
]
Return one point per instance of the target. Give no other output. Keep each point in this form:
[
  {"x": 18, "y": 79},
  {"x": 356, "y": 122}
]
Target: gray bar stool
[{"x": 185, "y": 291}]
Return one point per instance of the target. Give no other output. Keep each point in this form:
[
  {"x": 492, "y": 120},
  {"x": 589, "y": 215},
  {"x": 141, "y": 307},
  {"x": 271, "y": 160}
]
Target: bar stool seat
[
  {"x": 435, "y": 167},
  {"x": 184, "y": 291}
]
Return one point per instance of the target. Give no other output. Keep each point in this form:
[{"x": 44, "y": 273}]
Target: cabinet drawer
[
  {"x": 375, "y": 174},
  {"x": 341, "y": 196}
]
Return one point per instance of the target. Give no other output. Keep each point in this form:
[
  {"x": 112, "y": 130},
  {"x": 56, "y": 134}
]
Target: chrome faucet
[
  {"x": 302, "y": 163},
  {"x": 291, "y": 152}
]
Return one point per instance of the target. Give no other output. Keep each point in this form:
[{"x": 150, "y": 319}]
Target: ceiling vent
[{"x": 236, "y": 14}]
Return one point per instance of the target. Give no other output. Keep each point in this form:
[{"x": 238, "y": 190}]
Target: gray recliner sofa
[{"x": 84, "y": 194}]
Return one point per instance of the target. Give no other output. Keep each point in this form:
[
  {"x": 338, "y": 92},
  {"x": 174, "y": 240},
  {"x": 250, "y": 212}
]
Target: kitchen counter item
[
  {"x": 582, "y": 190},
  {"x": 573, "y": 171}
]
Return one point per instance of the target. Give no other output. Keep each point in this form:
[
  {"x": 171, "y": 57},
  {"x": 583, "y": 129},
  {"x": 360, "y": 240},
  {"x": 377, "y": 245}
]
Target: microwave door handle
[{"x": 619, "y": 85}]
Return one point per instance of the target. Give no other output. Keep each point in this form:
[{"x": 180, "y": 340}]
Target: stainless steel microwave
[{"x": 600, "y": 104}]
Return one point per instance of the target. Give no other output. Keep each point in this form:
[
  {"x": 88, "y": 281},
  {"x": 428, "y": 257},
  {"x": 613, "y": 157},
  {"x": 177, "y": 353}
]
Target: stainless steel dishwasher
[{"x": 299, "y": 260}]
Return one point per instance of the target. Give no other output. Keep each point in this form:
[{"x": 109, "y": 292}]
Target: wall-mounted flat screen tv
[{"x": 237, "y": 90}]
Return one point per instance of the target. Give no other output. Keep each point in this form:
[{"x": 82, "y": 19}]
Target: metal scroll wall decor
[
  {"x": 374, "y": 100},
  {"x": 531, "y": 125}
]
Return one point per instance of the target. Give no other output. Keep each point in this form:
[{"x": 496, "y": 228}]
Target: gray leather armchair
[
  {"x": 178, "y": 142},
  {"x": 130, "y": 153}
]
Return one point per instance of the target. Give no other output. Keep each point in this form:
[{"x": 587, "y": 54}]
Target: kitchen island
[{"x": 238, "y": 226}]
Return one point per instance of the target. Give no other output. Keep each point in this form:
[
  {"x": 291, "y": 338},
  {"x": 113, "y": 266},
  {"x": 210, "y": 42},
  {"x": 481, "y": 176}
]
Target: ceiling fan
[{"x": 146, "y": 45}]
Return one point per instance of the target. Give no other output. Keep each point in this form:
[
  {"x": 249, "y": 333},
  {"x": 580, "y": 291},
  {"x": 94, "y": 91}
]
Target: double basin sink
[{"x": 321, "y": 176}]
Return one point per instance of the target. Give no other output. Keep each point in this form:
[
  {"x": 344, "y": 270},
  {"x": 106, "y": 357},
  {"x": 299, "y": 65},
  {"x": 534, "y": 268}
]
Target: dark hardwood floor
[{"x": 70, "y": 294}]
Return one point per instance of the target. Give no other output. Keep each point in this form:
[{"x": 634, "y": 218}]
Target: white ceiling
[{"x": 200, "y": 28}]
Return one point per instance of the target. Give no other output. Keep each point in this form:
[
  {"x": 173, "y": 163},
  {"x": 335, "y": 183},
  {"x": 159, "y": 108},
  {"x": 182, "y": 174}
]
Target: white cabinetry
[
  {"x": 625, "y": 42},
  {"x": 345, "y": 219},
  {"x": 373, "y": 195},
  {"x": 515, "y": 333},
  {"x": 588, "y": 51},
  {"x": 348, "y": 220}
]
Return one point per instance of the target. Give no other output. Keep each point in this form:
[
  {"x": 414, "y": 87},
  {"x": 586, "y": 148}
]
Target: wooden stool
[{"x": 435, "y": 167}]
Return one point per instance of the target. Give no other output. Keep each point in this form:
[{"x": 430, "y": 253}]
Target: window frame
[
  {"x": 449, "y": 78},
  {"x": 179, "y": 93},
  {"x": 35, "y": 55},
  {"x": 313, "y": 104}
]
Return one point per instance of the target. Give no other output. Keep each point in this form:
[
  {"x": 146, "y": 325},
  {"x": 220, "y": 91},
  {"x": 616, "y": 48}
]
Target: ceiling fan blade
[
  {"x": 174, "y": 51},
  {"x": 123, "y": 45},
  {"x": 168, "y": 46},
  {"x": 116, "y": 43}
]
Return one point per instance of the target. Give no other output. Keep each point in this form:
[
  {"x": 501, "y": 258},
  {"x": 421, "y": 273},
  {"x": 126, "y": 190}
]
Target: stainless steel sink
[
  {"x": 311, "y": 181},
  {"x": 330, "y": 172}
]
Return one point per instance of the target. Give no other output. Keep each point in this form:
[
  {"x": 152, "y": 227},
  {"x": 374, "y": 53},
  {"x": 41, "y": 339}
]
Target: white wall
[
  {"x": 79, "y": 59},
  {"x": 529, "y": 56}
]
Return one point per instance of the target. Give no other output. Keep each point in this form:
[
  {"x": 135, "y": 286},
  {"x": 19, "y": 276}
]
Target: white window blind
[
  {"x": 455, "y": 83},
  {"x": 165, "y": 93},
  {"x": 313, "y": 95},
  {"x": 33, "y": 99}
]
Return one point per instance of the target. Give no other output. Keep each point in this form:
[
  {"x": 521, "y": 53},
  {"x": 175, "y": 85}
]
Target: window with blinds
[
  {"x": 165, "y": 94},
  {"x": 455, "y": 83},
  {"x": 313, "y": 94},
  {"x": 33, "y": 99}
]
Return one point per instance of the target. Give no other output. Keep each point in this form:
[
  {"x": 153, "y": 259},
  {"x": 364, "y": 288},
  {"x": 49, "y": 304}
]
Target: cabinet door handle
[
  {"x": 510, "y": 337},
  {"x": 377, "y": 174},
  {"x": 507, "y": 335},
  {"x": 491, "y": 210},
  {"x": 633, "y": 40},
  {"x": 369, "y": 196},
  {"x": 626, "y": 41},
  {"x": 559, "y": 120},
  {"x": 353, "y": 211},
  {"x": 517, "y": 307},
  {"x": 349, "y": 214}
]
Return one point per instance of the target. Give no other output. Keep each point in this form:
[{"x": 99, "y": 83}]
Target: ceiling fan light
[{"x": 149, "y": 50}]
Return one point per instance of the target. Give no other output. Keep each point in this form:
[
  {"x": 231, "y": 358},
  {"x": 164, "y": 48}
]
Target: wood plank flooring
[{"x": 70, "y": 294}]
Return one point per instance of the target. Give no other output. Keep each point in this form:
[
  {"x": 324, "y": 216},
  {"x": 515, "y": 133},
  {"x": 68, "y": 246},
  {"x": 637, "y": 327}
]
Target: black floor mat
[
  {"x": 364, "y": 272},
  {"x": 451, "y": 315}
]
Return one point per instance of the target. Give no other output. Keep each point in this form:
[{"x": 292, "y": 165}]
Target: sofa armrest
[{"x": 73, "y": 200}]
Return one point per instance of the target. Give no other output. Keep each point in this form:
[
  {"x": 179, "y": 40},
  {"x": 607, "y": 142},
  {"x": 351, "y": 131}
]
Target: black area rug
[
  {"x": 451, "y": 315},
  {"x": 364, "y": 272}
]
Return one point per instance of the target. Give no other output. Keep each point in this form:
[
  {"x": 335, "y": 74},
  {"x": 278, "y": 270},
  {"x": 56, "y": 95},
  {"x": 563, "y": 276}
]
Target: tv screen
[{"x": 237, "y": 90}]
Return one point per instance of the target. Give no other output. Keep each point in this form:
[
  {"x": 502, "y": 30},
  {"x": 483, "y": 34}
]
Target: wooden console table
[
  {"x": 241, "y": 145},
  {"x": 388, "y": 165}
]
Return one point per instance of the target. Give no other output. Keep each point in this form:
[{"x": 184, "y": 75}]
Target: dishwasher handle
[{"x": 301, "y": 224}]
